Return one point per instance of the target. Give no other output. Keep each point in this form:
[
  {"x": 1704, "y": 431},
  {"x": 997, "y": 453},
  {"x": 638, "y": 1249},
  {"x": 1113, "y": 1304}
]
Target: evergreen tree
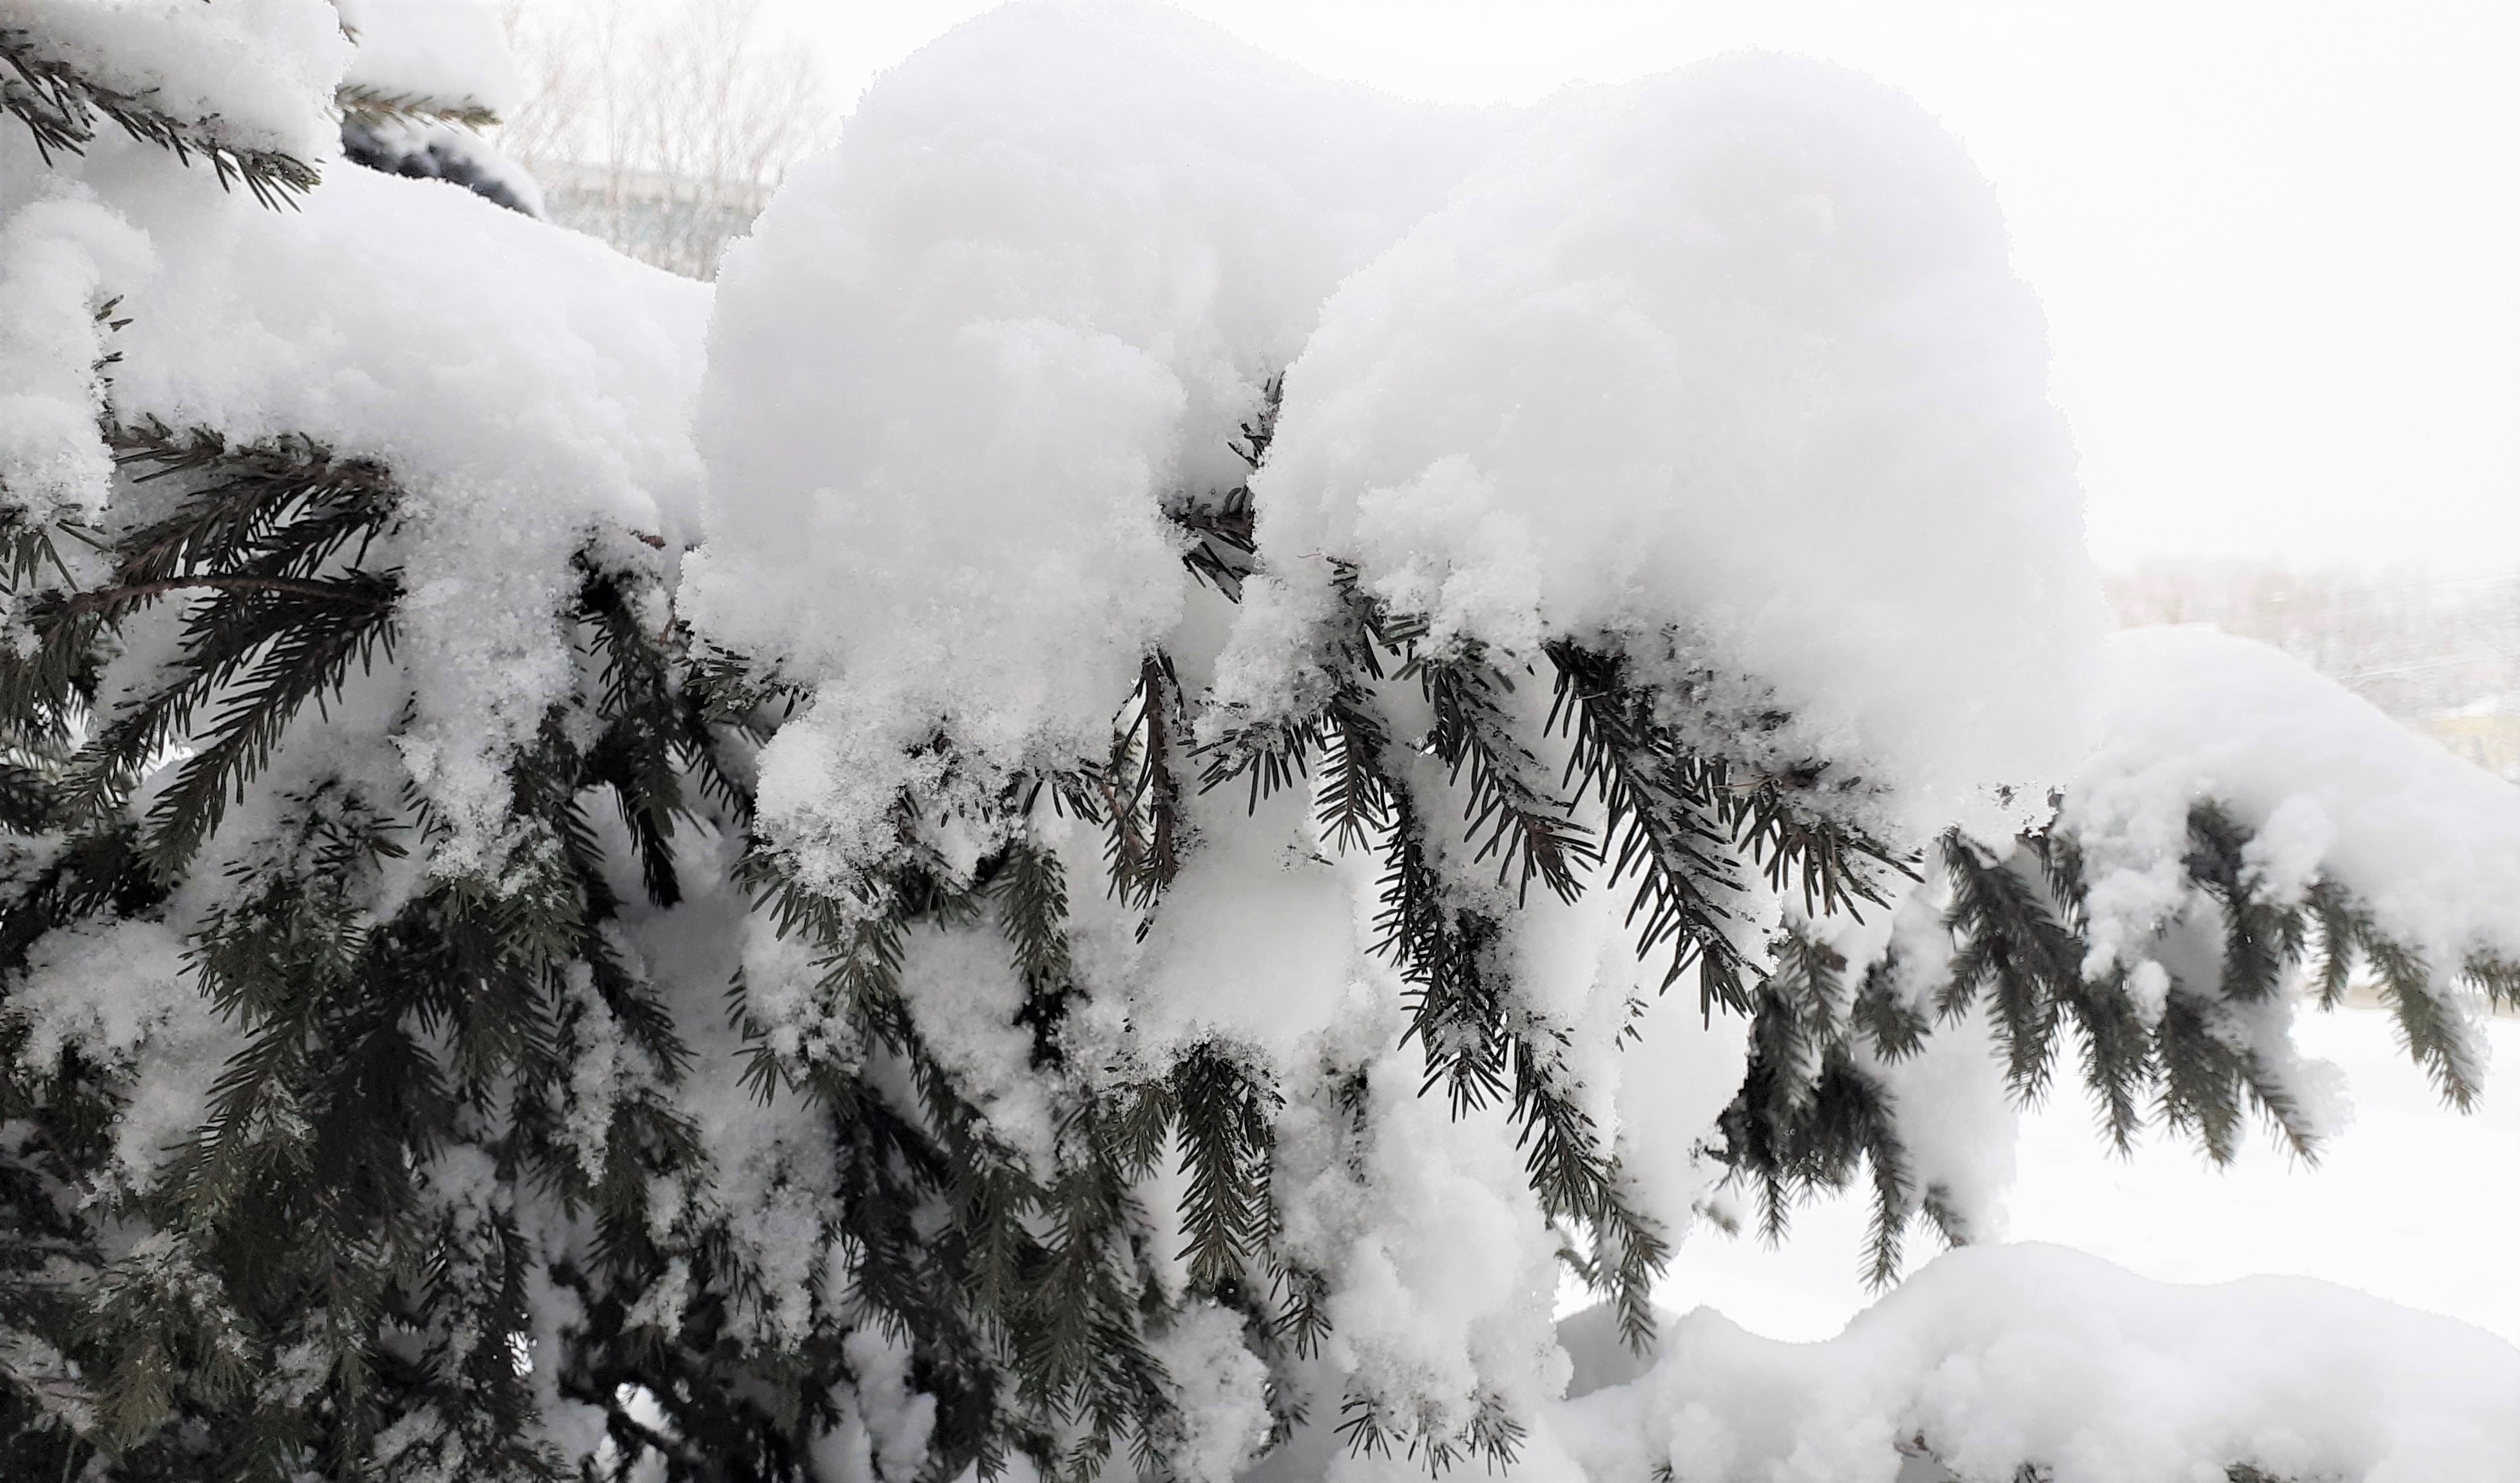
[{"x": 450, "y": 1209}]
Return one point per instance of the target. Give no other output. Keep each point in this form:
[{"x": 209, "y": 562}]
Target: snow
[
  {"x": 1957, "y": 1122},
  {"x": 445, "y": 52},
  {"x": 55, "y": 255},
  {"x": 1998, "y": 1357},
  {"x": 1759, "y": 305},
  {"x": 888, "y": 1422},
  {"x": 1258, "y": 944},
  {"x": 963, "y": 359},
  {"x": 118, "y": 993},
  {"x": 1219, "y": 1384},
  {"x": 2329, "y": 784},
  {"x": 358, "y": 321},
  {"x": 264, "y": 69},
  {"x": 2393, "y": 1205},
  {"x": 964, "y": 996},
  {"x": 1671, "y": 1084},
  {"x": 1726, "y": 369},
  {"x": 1441, "y": 1268}
]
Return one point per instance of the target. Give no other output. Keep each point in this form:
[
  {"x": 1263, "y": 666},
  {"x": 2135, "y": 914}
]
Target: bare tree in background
[{"x": 660, "y": 129}]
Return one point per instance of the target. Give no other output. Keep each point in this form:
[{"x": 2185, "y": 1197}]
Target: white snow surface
[
  {"x": 2330, "y": 786},
  {"x": 120, "y": 993},
  {"x": 56, "y": 255},
  {"x": 362, "y": 321},
  {"x": 445, "y": 51},
  {"x": 1588, "y": 382},
  {"x": 264, "y": 68},
  {"x": 1735, "y": 353},
  {"x": 528, "y": 388},
  {"x": 529, "y": 372},
  {"x": 2000, "y": 1356},
  {"x": 963, "y": 359}
]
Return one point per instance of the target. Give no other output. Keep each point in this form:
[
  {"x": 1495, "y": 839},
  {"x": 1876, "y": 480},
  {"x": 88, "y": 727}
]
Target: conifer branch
[
  {"x": 1510, "y": 814},
  {"x": 1030, "y": 886},
  {"x": 109, "y": 599},
  {"x": 358, "y": 104},
  {"x": 264, "y": 654},
  {"x": 59, "y": 106},
  {"x": 1225, "y": 1115},
  {"x": 2497, "y": 977},
  {"x": 1373, "y": 1425},
  {"x": 1139, "y": 796},
  {"x": 1270, "y": 752},
  {"x": 1681, "y": 821},
  {"x": 1667, "y": 824},
  {"x": 2011, "y": 946},
  {"x": 1808, "y": 1117},
  {"x": 1224, "y": 544},
  {"x": 2261, "y": 939},
  {"x": 2429, "y": 1026}
]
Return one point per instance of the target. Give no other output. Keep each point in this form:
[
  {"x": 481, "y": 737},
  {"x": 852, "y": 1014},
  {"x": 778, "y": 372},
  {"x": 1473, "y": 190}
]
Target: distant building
[{"x": 673, "y": 222}]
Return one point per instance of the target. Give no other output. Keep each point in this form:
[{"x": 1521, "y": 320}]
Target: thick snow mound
[
  {"x": 2328, "y": 785},
  {"x": 1735, "y": 352},
  {"x": 264, "y": 69},
  {"x": 963, "y": 361},
  {"x": 1996, "y": 1357},
  {"x": 477, "y": 353},
  {"x": 443, "y": 52},
  {"x": 527, "y": 386}
]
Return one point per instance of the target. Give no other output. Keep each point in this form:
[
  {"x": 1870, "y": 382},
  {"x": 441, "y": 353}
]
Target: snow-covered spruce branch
[
  {"x": 1039, "y": 1261},
  {"x": 59, "y": 104},
  {"x": 2017, "y": 923},
  {"x": 510, "y": 969},
  {"x": 1037, "y": 1268},
  {"x": 1687, "y": 823},
  {"x": 318, "y": 1132}
]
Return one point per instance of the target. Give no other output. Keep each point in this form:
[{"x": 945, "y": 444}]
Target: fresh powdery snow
[
  {"x": 1668, "y": 327},
  {"x": 360, "y": 319},
  {"x": 1991, "y": 1356},
  {"x": 963, "y": 359},
  {"x": 1726, "y": 369},
  {"x": 264, "y": 69},
  {"x": 440, "y": 51},
  {"x": 2328, "y": 785},
  {"x": 1571, "y": 371}
]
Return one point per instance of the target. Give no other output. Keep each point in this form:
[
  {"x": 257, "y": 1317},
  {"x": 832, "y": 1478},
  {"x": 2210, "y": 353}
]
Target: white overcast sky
[{"x": 2279, "y": 244}]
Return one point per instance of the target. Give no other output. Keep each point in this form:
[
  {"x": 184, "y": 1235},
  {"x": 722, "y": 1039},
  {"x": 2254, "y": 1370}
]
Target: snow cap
[{"x": 1733, "y": 354}]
